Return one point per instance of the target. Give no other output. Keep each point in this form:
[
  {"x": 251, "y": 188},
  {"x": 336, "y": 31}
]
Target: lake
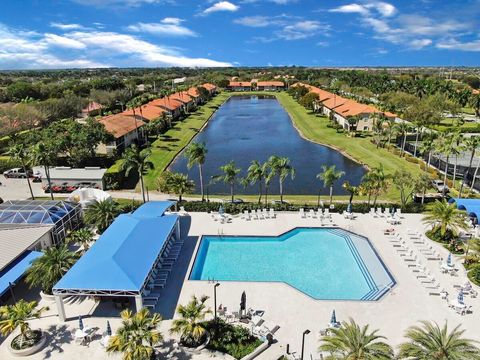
[{"x": 247, "y": 128}]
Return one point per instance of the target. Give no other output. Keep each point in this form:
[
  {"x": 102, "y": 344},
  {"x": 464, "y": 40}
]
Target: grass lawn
[
  {"x": 468, "y": 110},
  {"x": 168, "y": 145},
  {"x": 312, "y": 127}
]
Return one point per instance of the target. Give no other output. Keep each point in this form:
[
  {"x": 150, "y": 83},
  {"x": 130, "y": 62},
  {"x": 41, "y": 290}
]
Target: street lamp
[
  {"x": 306, "y": 332},
  {"x": 215, "y": 298}
]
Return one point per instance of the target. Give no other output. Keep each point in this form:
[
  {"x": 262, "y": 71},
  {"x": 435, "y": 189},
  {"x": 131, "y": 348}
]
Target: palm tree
[
  {"x": 138, "y": 335},
  {"x": 330, "y": 175},
  {"x": 134, "y": 159},
  {"x": 17, "y": 316},
  {"x": 374, "y": 183},
  {"x": 472, "y": 143},
  {"x": 378, "y": 129},
  {"x": 190, "y": 326},
  {"x": 269, "y": 174},
  {"x": 229, "y": 176},
  {"x": 430, "y": 341},
  {"x": 83, "y": 237},
  {"x": 101, "y": 214},
  {"x": 427, "y": 147},
  {"x": 132, "y": 105},
  {"x": 457, "y": 148},
  {"x": 475, "y": 104},
  {"x": 352, "y": 342},
  {"x": 444, "y": 145},
  {"x": 176, "y": 183},
  {"x": 444, "y": 216},
  {"x": 19, "y": 152},
  {"x": 281, "y": 166},
  {"x": 49, "y": 268},
  {"x": 402, "y": 129},
  {"x": 195, "y": 153},
  {"x": 43, "y": 154},
  {"x": 256, "y": 173},
  {"x": 352, "y": 190}
]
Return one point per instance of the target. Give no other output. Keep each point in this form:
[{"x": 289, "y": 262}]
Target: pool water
[{"x": 324, "y": 263}]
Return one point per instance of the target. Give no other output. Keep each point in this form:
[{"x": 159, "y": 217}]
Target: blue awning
[
  {"x": 471, "y": 206},
  {"x": 15, "y": 270},
  {"x": 153, "y": 209}
]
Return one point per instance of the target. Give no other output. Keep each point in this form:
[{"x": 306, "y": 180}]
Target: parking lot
[{"x": 17, "y": 189}]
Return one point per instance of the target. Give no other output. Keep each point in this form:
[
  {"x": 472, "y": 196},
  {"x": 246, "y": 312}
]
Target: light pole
[
  {"x": 215, "y": 299},
  {"x": 306, "y": 332}
]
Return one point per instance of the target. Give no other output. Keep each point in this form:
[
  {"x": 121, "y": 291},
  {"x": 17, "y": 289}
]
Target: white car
[
  {"x": 440, "y": 186},
  {"x": 15, "y": 173}
]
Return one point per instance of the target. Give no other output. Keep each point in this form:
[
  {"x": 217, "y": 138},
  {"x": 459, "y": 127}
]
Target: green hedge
[
  {"x": 198, "y": 206},
  {"x": 114, "y": 176},
  {"x": 474, "y": 274},
  {"x": 7, "y": 163}
]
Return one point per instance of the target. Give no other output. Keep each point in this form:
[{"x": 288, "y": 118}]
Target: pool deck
[{"x": 284, "y": 306}]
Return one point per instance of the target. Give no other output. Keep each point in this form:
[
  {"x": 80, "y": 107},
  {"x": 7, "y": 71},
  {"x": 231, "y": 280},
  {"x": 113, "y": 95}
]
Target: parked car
[
  {"x": 17, "y": 173},
  {"x": 440, "y": 186}
]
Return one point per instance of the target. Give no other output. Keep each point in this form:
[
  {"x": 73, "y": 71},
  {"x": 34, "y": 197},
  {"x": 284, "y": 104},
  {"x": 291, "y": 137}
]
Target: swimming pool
[{"x": 324, "y": 263}]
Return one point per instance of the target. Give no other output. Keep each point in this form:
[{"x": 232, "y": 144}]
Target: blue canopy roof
[
  {"x": 15, "y": 270},
  {"x": 471, "y": 206},
  {"x": 153, "y": 208},
  {"x": 121, "y": 259}
]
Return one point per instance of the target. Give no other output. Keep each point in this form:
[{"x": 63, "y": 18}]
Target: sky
[{"x": 44, "y": 34}]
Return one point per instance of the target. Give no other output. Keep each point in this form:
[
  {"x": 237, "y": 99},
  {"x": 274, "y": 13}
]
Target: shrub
[
  {"x": 7, "y": 163},
  {"x": 474, "y": 274},
  {"x": 114, "y": 176}
]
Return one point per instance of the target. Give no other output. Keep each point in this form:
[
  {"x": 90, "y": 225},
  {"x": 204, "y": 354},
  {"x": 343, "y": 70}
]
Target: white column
[
  {"x": 60, "y": 307},
  {"x": 138, "y": 302}
]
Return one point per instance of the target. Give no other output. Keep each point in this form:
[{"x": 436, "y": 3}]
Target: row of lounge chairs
[
  {"x": 259, "y": 214},
  {"x": 387, "y": 213},
  {"x": 161, "y": 271},
  {"x": 319, "y": 214}
]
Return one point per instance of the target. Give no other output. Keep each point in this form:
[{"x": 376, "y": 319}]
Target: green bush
[
  {"x": 231, "y": 339},
  {"x": 474, "y": 274},
  {"x": 114, "y": 176},
  {"x": 7, "y": 163}
]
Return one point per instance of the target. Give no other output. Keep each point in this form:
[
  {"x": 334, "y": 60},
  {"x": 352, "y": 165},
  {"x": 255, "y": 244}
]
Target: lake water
[{"x": 247, "y": 128}]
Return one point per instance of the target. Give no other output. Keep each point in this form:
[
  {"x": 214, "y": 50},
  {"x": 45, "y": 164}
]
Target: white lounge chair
[
  {"x": 311, "y": 213},
  {"x": 266, "y": 215},
  {"x": 259, "y": 214},
  {"x": 272, "y": 213},
  {"x": 246, "y": 215},
  {"x": 302, "y": 213}
]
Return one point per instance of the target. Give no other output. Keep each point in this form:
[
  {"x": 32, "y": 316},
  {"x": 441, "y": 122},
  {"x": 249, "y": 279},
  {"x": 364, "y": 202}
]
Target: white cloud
[
  {"x": 221, "y": 6},
  {"x": 21, "y": 49},
  {"x": 351, "y": 8},
  {"x": 64, "y": 42},
  {"x": 65, "y": 26},
  {"x": 420, "y": 43},
  {"x": 167, "y": 27},
  {"x": 301, "y": 30},
  {"x": 453, "y": 44},
  {"x": 383, "y": 8},
  {"x": 261, "y": 21},
  {"x": 119, "y": 3}
]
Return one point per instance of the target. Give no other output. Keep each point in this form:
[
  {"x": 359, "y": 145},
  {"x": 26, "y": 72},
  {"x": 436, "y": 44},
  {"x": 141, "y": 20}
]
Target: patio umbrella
[
  {"x": 449, "y": 259},
  {"x": 349, "y": 208},
  {"x": 460, "y": 298},
  {"x": 243, "y": 303},
  {"x": 80, "y": 323},
  {"x": 221, "y": 210},
  {"x": 333, "y": 319},
  {"x": 109, "y": 329}
]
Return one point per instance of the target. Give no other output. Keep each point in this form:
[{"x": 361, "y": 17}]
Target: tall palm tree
[
  {"x": 17, "y": 316},
  {"x": 457, "y": 148},
  {"x": 256, "y": 173},
  {"x": 352, "y": 342},
  {"x": 195, "y": 154},
  {"x": 132, "y": 105},
  {"x": 426, "y": 147},
  {"x": 444, "y": 216},
  {"x": 176, "y": 183},
  {"x": 49, "y": 268},
  {"x": 269, "y": 174},
  {"x": 229, "y": 176},
  {"x": 352, "y": 190},
  {"x": 444, "y": 145},
  {"x": 475, "y": 103},
  {"x": 136, "y": 159},
  {"x": 374, "y": 183},
  {"x": 190, "y": 325},
  {"x": 44, "y": 155},
  {"x": 138, "y": 335},
  {"x": 430, "y": 341},
  {"x": 281, "y": 166},
  {"x": 20, "y": 153},
  {"x": 329, "y": 176},
  {"x": 101, "y": 214},
  {"x": 378, "y": 128},
  {"x": 402, "y": 128},
  {"x": 472, "y": 144},
  {"x": 82, "y": 237}
]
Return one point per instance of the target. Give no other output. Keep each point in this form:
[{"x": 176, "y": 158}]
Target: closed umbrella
[
  {"x": 333, "y": 319},
  {"x": 109, "y": 329},
  {"x": 80, "y": 323},
  {"x": 460, "y": 298},
  {"x": 221, "y": 210},
  {"x": 243, "y": 303},
  {"x": 349, "y": 208},
  {"x": 449, "y": 259}
]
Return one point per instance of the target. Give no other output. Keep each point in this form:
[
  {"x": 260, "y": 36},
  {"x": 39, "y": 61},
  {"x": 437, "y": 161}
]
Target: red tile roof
[
  {"x": 92, "y": 106},
  {"x": 209, "y": 87},
  {"x": 240, "y": 84},
  {"x": 271, "y": 83},
  {"x": 181, "y": 96},
  {"x": 167, "y": 103},
  {"x": 147, "y": 113},
  {"x": 193, "y": 92},
  {"x": 120, "y": 124}
]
